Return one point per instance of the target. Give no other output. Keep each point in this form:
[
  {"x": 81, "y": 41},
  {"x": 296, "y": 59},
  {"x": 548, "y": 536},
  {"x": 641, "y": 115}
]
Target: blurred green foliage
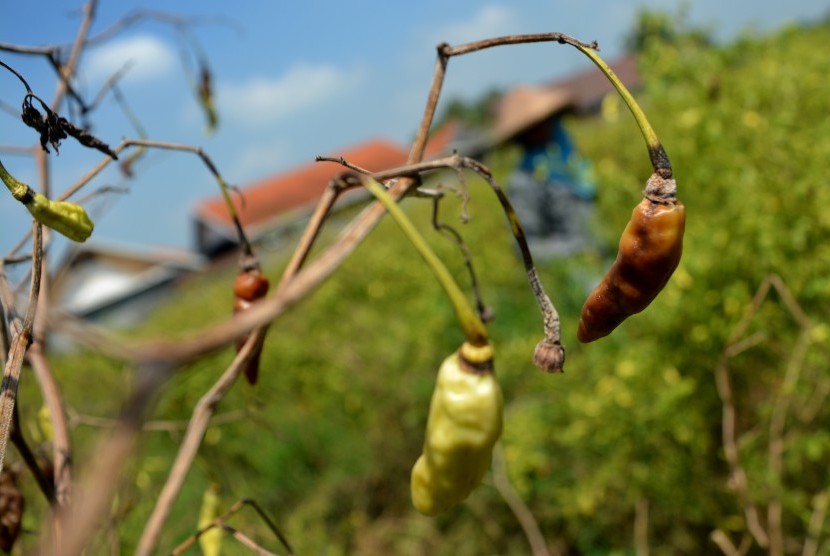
[{"x": 326, "y": 441}]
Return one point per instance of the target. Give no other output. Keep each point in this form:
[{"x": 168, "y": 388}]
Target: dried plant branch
[
  {"x": 21, "y": 331},
  {"x": 780, "y": 410},
  {"x": 453, "y": 235},
  {"x": 175, "y": 20},
  {"x": 641, "y": 527},
  {"x": 738, "y": 480},
  {"x": 333, "y": 191},
  {"x": 247, "y": 542},
  {"x": 67, "y": 70},
  {"x": 722, "y": 541},
  {"x": 773, "y": 536},
  {"x": 528, "y": 523},
  {"x": 188, "y": 448},
  {"x": 220, "y": 522},
  {"x": 44, "y": 483},
  {"x": 77, "y": 419},
  {"x": 61, "y": 448}
]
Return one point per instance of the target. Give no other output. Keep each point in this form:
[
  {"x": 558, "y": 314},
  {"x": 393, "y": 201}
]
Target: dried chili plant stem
[
  {"x": 21, "y": 337},
  {"x": 524, "y": 515},
  {"x": 453, "y": 235},
  {"x": 102, "y": 479},
  {"x": 222, "y": 519},
  {"x": 188, "y": 448},
  {"x": 44, "y": 483},
  {"x": 315, "y": 224},
  {"x": 772, "y": 536},
  {"x": 61, "y": 448}
]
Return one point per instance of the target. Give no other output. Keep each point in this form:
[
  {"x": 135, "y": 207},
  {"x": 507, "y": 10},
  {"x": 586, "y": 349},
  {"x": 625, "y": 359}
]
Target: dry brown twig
[
  {"x": 221, "y": 521},
  {"x": 525, "y": 517},
  {"x": 771, "y": 536},
  {"x": 187, "y": 450}
]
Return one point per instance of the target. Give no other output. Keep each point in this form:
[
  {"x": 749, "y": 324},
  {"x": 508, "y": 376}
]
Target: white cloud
[
  {"x": 259, "y": 159},
  {"x": 148, "y": 56},
  {"x": 265, "y": 100},
  {"x": 489, "y": 21}
]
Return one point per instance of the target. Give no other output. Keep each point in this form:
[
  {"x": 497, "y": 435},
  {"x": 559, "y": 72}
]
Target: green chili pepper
[
  {"x": 64, "y": 217},
  {"x": 464, "y": 423}
]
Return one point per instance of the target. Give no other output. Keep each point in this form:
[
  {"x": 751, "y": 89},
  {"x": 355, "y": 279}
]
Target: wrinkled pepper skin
[
  {"x": 248, "y": 287},
  {"x": 464, "y": 423},
  {"x": 649, "y": 252}
]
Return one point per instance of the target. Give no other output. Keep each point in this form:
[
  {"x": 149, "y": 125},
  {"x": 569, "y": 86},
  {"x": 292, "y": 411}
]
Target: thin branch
[
  {"x": 67, "y": 70},
  {"x": 61, "y": 447},
  {"x": 44, "y": 483},
  {"x": 174, "y": 20},
  {"x": 247, "y": 542},
  {"x": 21, "y": 330},
  {"x": 641, "y": 527},
  {"x": 779, "y": 413},
  {"x": 222, "y": 519},
  {"x": 76, "y": 419},
  {"x": 188, "y": 448},
  {"x": 561, "y": 38},
  {"x": 453, "y": 235},
  {"x": 738, "y": 480},
  {"x": 523, "y": 514},
  {"x": 722, "y": 541}
]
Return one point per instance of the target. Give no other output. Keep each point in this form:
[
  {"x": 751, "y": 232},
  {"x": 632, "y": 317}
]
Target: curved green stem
[
  {"x": 18, "y": 189},
  {"x": 474, "y": 330},
  {"x": 659, "y": 158}
]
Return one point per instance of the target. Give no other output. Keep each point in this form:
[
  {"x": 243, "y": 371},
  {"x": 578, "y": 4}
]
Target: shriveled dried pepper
[
  {"x": 649, "y": 252},
  {"x": 249, "y": 286},
  {"x": 464, "y": 423}
]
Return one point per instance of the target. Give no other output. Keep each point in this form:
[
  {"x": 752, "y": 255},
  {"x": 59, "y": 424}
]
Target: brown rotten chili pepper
[
  {"x": 649, "y": 251},
  {"x": 248, "y": 287}
]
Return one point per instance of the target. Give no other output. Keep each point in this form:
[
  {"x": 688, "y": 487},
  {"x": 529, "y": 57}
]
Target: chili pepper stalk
[
  {"x": 659, "y": 159},
  {"x": 474, "y": 330}
]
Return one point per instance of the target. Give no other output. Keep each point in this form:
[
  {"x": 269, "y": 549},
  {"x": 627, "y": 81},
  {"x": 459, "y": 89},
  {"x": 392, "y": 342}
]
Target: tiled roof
[{"x": 297, "y": 189}]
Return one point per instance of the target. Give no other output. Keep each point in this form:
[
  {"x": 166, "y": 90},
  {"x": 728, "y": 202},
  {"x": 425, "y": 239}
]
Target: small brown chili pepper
[
  {"x": 649, "y": 252},
  {"x": 249, "y": 286}
]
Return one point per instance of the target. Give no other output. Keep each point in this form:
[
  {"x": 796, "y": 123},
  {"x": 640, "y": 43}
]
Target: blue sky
[{"x": 294, "y": 80}]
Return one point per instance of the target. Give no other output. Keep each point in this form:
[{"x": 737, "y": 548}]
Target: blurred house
[
  {"x": 117, "y": 285},
  {"x": 277, "y": 202}
]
